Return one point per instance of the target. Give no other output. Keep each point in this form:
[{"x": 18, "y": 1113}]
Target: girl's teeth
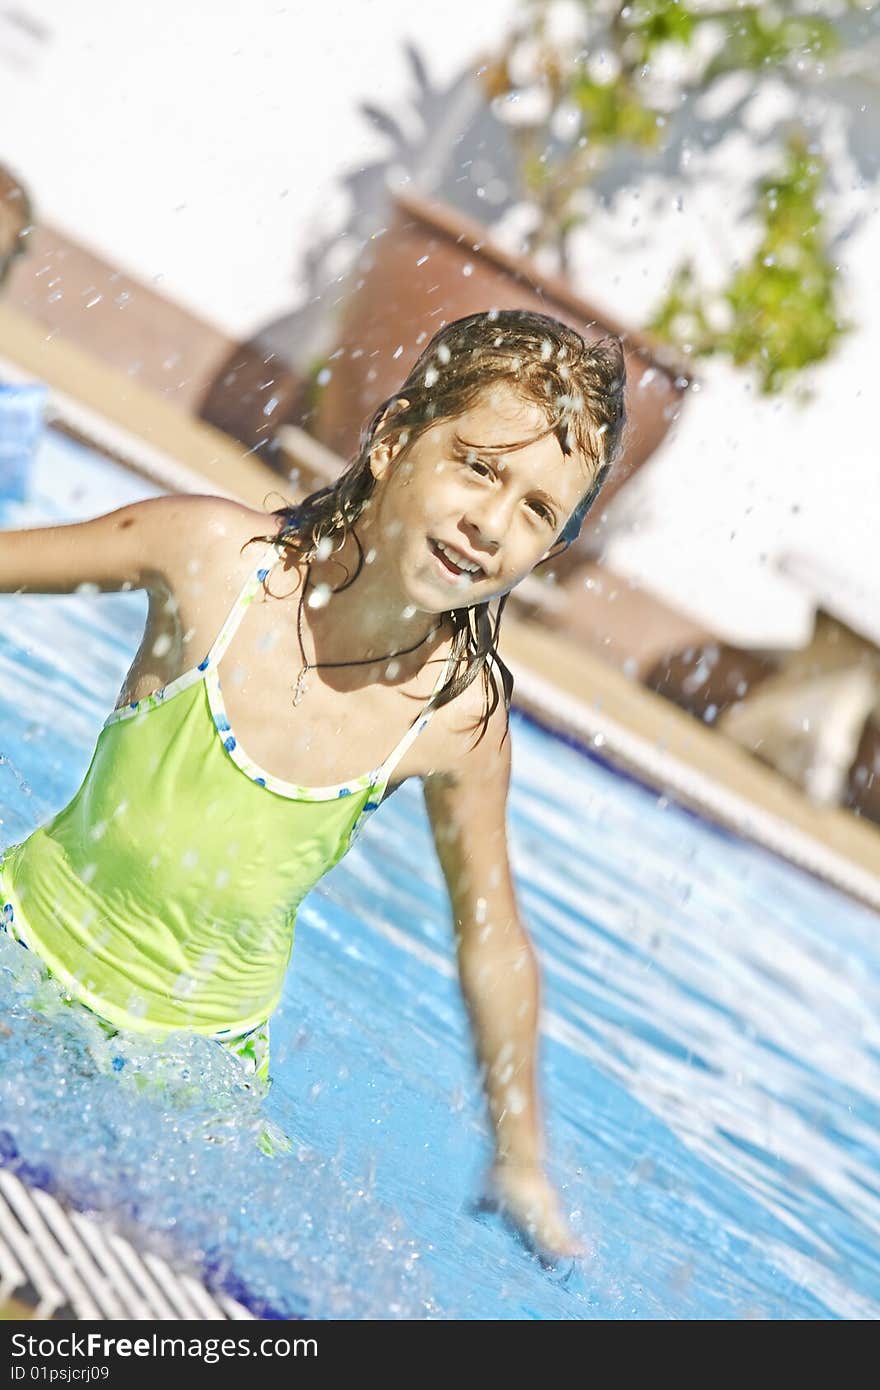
[{"x": 450, "y": 555}]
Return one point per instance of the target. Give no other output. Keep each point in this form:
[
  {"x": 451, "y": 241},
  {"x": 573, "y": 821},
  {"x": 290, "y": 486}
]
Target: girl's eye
[
  {"x": 478, "y": 464},
  {"x": 544, "y": 512}
]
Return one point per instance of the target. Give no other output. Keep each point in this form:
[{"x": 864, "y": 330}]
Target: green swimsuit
[{"x": 164, "y": 895}]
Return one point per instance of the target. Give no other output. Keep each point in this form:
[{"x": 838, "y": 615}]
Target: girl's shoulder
[
  {"x": 209, "y": 534},
  {"x": 467, "y": 789},
  {"x": 197, "y": 512},
  {"x": 475, "y": 739},
  {"x": 204, "y": 518}
]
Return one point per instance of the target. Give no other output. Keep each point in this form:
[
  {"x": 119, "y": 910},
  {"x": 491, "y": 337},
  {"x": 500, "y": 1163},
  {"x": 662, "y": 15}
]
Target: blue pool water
[{"x": 709, "y": 1060}]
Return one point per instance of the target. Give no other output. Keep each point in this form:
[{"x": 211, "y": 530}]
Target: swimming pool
[{"x": 709, "y": 1061}]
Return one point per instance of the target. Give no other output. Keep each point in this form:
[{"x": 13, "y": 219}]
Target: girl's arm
[
  {"x": 497, "y": 964},
  {"x": 500, "y": 980},
  {"x": 134, "y": 547}
]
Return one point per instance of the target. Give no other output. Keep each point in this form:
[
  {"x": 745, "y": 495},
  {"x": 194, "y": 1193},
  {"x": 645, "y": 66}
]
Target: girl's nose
[{"x": 489, "y": 521}]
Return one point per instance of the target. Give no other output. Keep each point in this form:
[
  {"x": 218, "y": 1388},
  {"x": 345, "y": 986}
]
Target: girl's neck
[{"x": 369, "y": 617}]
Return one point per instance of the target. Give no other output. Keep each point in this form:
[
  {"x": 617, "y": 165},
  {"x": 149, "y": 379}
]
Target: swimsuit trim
[{"x": 195, "y": 673}]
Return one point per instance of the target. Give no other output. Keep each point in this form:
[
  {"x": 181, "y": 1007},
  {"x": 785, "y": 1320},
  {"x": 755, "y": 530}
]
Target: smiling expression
[{"x": 444, "y": 506}]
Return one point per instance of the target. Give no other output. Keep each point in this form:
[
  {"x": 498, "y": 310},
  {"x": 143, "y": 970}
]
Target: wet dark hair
[{"x": 578, "y": 385}]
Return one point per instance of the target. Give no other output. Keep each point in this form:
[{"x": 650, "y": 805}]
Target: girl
[{"x": 285, "y": 652}]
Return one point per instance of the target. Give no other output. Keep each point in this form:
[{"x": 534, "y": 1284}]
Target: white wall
[
  {"x": 195, "y": 142},
  {"x": 747, "y": 488}
]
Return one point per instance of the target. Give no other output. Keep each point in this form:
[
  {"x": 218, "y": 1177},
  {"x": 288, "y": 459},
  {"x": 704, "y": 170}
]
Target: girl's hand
[{"x": 525, "y": 1197}]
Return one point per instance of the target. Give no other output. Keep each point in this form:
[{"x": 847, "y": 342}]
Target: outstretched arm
[
  {"x": 499, "y": 975},
  {"x": 138, "y": 546}
]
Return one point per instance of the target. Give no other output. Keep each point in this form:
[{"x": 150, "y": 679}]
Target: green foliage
[
  {"x": 654, "y": 22},
  {"x": 613, "y": 111},
  {"x": 756, "y": 38},
  {"x": 781, "y": 305}
]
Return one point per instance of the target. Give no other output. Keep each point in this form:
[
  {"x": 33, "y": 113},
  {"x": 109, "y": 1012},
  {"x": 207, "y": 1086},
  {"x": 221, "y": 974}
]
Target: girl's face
[{"x": 465, "y": 526}]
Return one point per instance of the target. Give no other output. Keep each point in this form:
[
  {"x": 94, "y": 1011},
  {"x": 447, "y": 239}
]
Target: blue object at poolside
[{"x": 22, "y": 410}]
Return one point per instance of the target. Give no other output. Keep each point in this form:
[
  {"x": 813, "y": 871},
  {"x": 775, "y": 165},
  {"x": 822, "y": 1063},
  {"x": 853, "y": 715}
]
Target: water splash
[{"x": 166, "y": 1137}]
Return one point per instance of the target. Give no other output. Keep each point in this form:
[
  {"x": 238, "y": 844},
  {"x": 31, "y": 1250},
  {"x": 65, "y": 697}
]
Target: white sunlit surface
[{"x": 709, "y": 1058}]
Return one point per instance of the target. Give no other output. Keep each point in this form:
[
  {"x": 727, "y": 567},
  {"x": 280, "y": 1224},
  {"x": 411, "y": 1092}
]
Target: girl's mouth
[{"x": 451, "y": 571}]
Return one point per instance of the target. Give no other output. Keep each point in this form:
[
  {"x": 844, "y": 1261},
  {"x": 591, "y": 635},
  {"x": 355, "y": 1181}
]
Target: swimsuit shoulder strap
[
  {"x": 383, "y": 773},
  {"x": 272, "y": 555}
]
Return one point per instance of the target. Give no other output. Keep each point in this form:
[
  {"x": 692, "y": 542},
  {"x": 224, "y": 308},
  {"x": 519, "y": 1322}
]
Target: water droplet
[
  {"x": 320, "y": 596},
  {"x": 515, "y": 1100}
]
